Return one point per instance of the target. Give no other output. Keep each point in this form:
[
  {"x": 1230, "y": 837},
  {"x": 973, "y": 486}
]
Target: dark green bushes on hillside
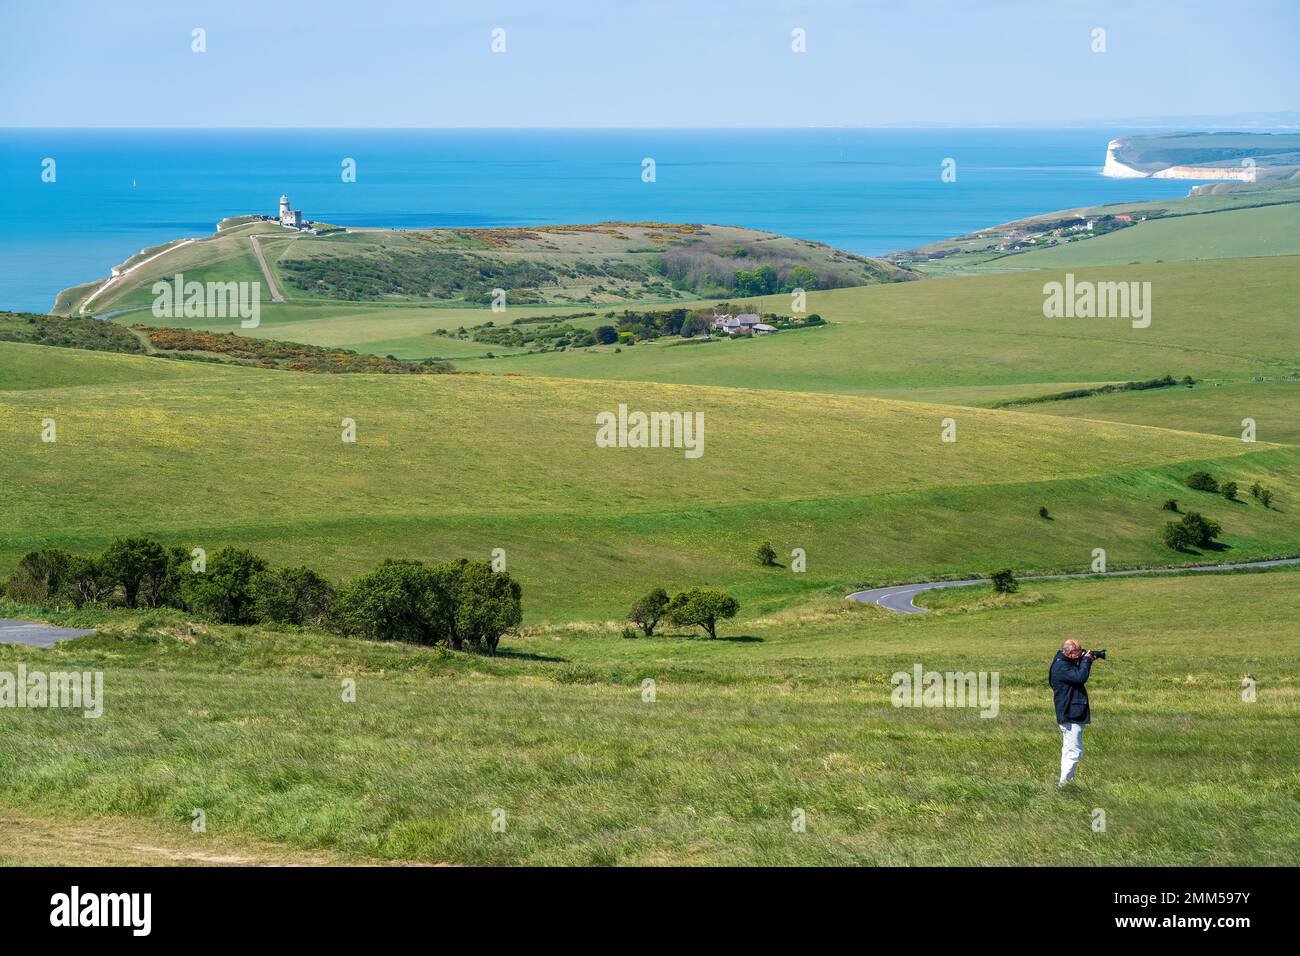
[
  {"x": 292, "y": 596},
  {"x": 1193, "y": 531},
  {"x": 458, "y": 603},
  {"x": 1201, "y": 481},
  {"x": 224, "y": 590},
  {"x": 75, "y": 332}
]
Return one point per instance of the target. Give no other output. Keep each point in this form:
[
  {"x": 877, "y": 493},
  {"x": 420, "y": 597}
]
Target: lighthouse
[{"x": 290, "y": 217}]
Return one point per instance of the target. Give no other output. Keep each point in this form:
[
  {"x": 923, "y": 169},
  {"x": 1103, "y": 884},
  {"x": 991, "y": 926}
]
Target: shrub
[
  {"x": 39, "y": 576},
  {"x": 1265, "y": 497},
  {"x": 648, "y": 611},
  {"x": 766, "y": 554},
  {"x": 702, "y": 607},
  {"x": 1193, "y": 531},
  {"x": 1171, "y": 504},
  {"x": 129, "y": 562},
  {"x": 1229, "y": 490},
  {"x": 606, "y": 334},
  {"x": 1004, "y": 581},
  {"x": 485, "y": 604},
  {"x": 1042, "y": 511},
  {"x": 292, "y": 596},
  {"x": 86, "y": 581},
  {"x": 398, "y": 601},
  {"x": 1175, "y": 536},
  {"x": 1201, "y": 481},
  {"x": 1201, "y": 530},
  {"x": 225, "y": 589}
]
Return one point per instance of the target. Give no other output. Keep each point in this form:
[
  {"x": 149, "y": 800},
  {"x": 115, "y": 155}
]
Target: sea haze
[{"x": 869, "y": 191}]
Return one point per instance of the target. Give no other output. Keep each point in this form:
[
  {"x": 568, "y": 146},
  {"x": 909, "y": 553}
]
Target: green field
[
  {"x": 826, "y": 439},
  {"x": 1242, "y": 233},
  {"x": 791, "y": 712}
]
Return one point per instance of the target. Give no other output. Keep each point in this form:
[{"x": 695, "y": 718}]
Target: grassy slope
[
  {"x": 793, "y": 710},
  {"x": 985, "y": 331},
  {"x": 1193, "y": 227},
  {"x": 795, "y": 713},
  {"x": 864, "y": 485},
  {"x": 1266, "y": 231}
]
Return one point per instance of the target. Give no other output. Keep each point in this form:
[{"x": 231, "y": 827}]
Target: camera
[{"x": 1100, "y": 655}]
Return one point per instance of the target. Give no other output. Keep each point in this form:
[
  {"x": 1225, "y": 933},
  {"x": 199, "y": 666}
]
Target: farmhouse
[{"x": 747, "y": 322}]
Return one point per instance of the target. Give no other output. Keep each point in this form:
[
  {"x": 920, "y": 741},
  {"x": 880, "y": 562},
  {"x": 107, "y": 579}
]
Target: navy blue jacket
[{"x": 1067, "y": 678}]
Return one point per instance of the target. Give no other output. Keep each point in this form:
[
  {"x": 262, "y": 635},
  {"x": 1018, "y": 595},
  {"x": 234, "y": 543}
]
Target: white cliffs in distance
[{"x": 1118, "y": 170}]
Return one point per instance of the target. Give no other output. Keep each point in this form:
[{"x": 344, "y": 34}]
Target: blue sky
[{"x": 639, "y": 63}]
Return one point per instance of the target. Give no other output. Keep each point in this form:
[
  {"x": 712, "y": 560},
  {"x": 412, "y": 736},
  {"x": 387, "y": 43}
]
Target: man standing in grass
[{"x": 1069, "y": 672}]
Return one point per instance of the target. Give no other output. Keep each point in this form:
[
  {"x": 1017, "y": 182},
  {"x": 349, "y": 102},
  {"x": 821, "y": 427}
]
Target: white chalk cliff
[{"x": 1117, "y": 170}]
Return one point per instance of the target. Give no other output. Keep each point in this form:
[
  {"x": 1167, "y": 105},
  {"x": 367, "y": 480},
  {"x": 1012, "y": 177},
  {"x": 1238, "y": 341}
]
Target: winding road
[
  {"x": 35, "y": 634},
  {"x": 898, "y": 597}
]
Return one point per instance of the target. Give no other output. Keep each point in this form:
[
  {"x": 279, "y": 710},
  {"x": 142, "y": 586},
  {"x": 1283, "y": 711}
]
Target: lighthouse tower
[{"x": 290, "y": 217}]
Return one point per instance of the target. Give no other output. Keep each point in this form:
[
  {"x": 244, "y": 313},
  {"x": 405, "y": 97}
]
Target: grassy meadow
[
  {"x": 827, "y": 439},
  {"x": 792, "y": 710},
  {"x": 462, "y": 464}
]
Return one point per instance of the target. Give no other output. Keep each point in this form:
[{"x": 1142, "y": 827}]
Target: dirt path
[
  {"x": 117, "y": 841},
  {"x": 126, "y": 272},
  {"x": 266, "y": 271}
]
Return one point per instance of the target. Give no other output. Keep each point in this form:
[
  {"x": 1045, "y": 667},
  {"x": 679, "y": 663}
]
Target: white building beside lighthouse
[{"x": 290, "y": 217}]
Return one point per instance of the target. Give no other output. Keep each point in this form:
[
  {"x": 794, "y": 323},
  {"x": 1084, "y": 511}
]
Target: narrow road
[
  {"x": 34, "y": 634},
  {"x": 266, "y": 271},
  {"x": 898, "y": 597}
]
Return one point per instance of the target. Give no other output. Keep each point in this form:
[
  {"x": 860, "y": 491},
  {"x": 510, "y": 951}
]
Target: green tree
[
  {"x": 485, "y": 604},
  {"x": 606, "y": 334},
  {"x": 766, "y": 554},
  {"x": 225, "y": 589},
  {"x": 1042, "y": 511},
  {"x": 1004, "y": 581},
  {"x": 1229, "y": 490},
  {"x": 86, "y": 581},
  {"x": 702, "y": 607},
  {"x": 398, "y": 601},
  {"x": 1194, "y": 530},
  {"x": 130, "y": 562},
  {"x": 1265, "y": 497},
  {"x": 171, "y": 588},
  {"x": 1201, "y": 481},
  {"x": 292, "y": 596},
  {"x": 648, "y": 611},
  {"x": 1201, "y": 531},
  {"x": 1171, "y": 504},
  {"x": 38, "y": 577},
  {"x": 1175, "y": 536}
]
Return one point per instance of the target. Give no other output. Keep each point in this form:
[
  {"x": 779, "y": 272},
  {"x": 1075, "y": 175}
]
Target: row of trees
[
  {"x": 457, "y": 603},
  {"x": 695, "y": 607},
  {"x": 1204, "y": 481}
]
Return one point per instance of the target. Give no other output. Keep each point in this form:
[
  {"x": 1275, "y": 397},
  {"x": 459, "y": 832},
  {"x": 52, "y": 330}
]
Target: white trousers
[{"x": 1071, "y": 749}]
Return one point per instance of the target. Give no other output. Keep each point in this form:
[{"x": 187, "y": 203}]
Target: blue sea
[{"x": 868, "y": 191}]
